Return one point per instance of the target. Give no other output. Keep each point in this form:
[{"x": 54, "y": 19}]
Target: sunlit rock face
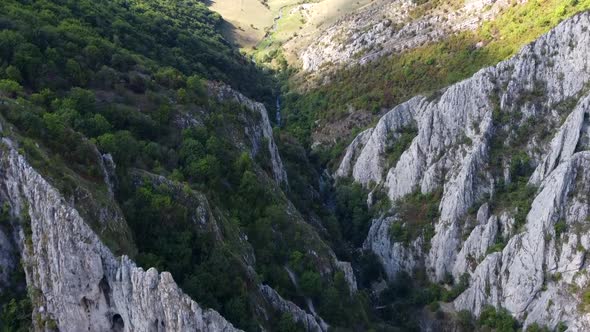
[
  {"x": 469, "y": 138},
  {"x": 385, "y": 27}
]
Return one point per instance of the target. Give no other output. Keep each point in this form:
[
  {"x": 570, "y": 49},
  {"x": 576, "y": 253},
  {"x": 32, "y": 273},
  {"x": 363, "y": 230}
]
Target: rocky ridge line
[{"x": 536, "y": 104}]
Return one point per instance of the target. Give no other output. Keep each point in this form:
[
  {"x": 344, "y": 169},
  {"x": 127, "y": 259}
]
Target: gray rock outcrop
[
  {"x": 307, "y": 320},
  {"x": 385, "y": 27},
  {"x": 75, "y": 282},
  {"x": 531, "y": 111}
]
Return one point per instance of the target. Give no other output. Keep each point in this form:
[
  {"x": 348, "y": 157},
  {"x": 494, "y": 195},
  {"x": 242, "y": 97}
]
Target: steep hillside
[
  {"x": 489, "y": 182},
  {"x": 265, "y": 27},
  {"x": 328, "y": 109},
  {"x": 132, "y": 142}
]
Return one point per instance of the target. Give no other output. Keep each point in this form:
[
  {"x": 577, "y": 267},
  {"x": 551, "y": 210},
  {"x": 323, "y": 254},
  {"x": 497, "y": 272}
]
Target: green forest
[{"x": 77, "y": 77}]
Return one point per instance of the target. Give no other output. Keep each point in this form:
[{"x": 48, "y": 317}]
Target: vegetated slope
[
  {"x": 353, "y": 97},
  {"x": 491, "y": 195},
  {"x": 262, "y": 27},
  {"x": 116, "y": 110},
  {"x": 246, "y": 20}
]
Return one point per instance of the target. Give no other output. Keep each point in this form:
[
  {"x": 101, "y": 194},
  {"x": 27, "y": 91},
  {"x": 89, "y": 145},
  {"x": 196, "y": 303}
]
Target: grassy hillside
[
  {"x": 247, "y": 20},
  {"x": 262, "y": 27}
]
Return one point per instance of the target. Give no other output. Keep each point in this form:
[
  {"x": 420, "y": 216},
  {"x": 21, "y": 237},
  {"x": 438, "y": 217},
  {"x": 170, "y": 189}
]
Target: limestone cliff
[
  {"x": 75, "y": 282},
  {"x": 474, "y": 142},
  {"x": 385, "y": 27}
]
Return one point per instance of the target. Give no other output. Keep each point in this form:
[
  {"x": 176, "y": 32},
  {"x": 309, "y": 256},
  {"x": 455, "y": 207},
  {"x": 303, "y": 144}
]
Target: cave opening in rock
[{"x": 118, "y": 323}]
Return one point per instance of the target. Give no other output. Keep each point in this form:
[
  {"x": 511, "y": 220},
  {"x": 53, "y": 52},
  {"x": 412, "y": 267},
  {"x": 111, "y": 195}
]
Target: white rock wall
[
  {"x": 76, "y": 281},
  {"x": 452, "y": 152}
]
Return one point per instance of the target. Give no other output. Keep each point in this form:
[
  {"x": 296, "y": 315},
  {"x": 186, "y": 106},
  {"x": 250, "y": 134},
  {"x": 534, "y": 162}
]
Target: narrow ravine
[{"x": 278, "y": 114}]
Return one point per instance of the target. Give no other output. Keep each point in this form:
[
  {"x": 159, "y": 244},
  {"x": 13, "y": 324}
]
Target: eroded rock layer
[{"x": 521, "y": 236}]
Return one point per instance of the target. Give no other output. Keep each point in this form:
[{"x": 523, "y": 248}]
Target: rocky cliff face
[
  {"x": 384, "y": 27},
  {"x": 311, "y": 322},
  {"x": 75, "y": 282},
  {"x": 258, "y": 132},
  {"x": 520, "y": 236}
]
